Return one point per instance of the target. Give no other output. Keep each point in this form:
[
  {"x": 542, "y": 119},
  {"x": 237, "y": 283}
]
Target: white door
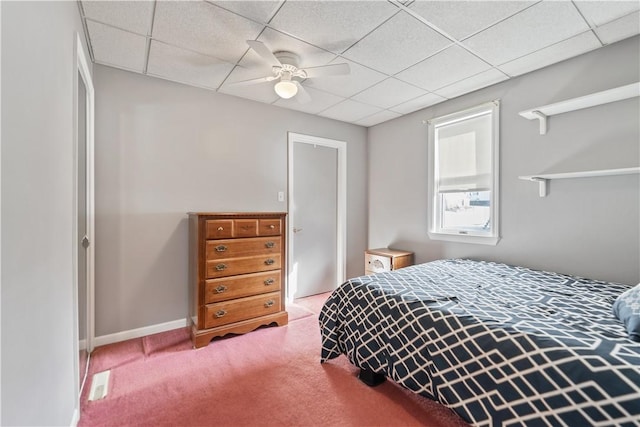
[
  {"x": 84, "y": 249},
  {"x": 82, "y": 230},
  {"x": 316, "y": 215}
]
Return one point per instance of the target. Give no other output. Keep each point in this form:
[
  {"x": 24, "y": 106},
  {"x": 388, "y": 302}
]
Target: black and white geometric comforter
[{"x": 500, "y": 345}]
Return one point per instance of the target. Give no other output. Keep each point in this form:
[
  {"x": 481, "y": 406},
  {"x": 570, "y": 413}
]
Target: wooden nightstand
[{"x": 383, "y": 259}]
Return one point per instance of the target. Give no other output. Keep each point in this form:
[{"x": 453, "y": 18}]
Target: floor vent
[{"x": 99, "y": 385}]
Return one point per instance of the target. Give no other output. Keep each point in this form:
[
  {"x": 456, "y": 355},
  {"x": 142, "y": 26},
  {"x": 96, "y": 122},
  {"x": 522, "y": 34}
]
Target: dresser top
[
  {"x": 388, "y": 252},
  {"x": 238, "y": 214}
]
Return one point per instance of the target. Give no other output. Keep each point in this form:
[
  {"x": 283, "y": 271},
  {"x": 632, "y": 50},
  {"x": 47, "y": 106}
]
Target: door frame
[
  {"x": 341, "y": 205},
  {"x": 81, "y": 68}
]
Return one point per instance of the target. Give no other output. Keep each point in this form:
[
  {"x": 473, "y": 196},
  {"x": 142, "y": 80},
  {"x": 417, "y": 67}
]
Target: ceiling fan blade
[
  {"x": 327, "y": 70},
  {"x": 302, "y": 96},
  {"x": 253, "y": 81},
  {"x": 262, "y": 50}
]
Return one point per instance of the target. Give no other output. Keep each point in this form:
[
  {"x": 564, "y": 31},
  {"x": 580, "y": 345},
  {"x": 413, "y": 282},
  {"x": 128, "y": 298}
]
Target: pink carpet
[{"x": 269, "y": 377}]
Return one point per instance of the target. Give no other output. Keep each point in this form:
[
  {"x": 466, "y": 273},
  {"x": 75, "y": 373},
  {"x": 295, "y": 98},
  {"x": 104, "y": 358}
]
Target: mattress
[{"x": 498, "y": 344}]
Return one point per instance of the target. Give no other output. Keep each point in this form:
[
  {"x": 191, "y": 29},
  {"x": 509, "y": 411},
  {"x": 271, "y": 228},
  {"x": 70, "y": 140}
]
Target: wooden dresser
[{"x": 236, "y": 273}]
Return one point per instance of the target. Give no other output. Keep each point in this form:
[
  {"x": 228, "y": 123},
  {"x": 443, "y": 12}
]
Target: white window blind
[{"x": 463, "y": 149}]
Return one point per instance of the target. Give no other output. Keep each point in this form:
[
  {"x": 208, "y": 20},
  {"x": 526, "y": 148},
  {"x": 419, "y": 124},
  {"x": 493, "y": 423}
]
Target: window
[{"x": 463, "y": 176}]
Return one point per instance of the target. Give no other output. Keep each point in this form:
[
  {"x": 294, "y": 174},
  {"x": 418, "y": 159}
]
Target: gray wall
[
  {"x": 163, "y": 149},
  {"x": 38, "y": 67},
  {"x": 587, "y": 227}
]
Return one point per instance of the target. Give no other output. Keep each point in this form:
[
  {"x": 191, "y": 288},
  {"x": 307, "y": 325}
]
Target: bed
[{"x": 498, "y": 344}]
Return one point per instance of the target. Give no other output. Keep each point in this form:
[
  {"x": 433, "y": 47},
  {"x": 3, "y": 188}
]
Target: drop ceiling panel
[
  {"x": 449, "y": 66},
  {"x": 470, "y": 84},
  {"x": 388, "y": 93},
  {"x": 332, "y": 25},
  {"x": 348, "y": 85},
  {"x": 619, "y": 29},
  {"x": 397, "y": 44},
  {"x": 133, "y": 16},
  {"x": 319, "y": 101},
  {"x": 261, "y": 11},
  {"x": 539, "y": 26},
  {"x": 349, "y": 111},
  {"x": 600, "y": 12},
  {"x": 204, "y": 28},
  {"x": 577, "y": 45},
  {"x": 119, "y": 48},
  {"x": 418, "y": 103},
  {"x": 463, "y": 18},
  {"x": 378, "y": 118},
  {"x": 185, "y": 66}
]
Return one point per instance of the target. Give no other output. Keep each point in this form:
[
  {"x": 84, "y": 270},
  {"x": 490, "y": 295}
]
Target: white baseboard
[
  {"x": 140, "y": 332},
  {"x": 75, "y": 418}
]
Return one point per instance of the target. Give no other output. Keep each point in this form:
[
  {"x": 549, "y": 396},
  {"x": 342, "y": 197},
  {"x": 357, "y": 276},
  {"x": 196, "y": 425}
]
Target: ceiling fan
[{"x": 284, "y": 66}]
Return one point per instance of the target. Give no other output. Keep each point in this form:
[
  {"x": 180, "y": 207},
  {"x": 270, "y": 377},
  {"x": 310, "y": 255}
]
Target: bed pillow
[{"x": 627, "y": 309}]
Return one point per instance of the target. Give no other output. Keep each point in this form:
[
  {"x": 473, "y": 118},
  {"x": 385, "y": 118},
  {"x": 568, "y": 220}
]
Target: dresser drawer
[
  {"x": 270, "y": 227},
  {"x": 245, "y": 228},
  {"x": 219, "y": 249},
  {"x": 219, "y": 228},
  {"x": 223, "y": 313},
  {"x": 233, "y": 266},
  {"x": 245, "y": 285}
]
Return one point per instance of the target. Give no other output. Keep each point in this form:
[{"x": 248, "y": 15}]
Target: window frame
[{"x": 433, "y": 208}]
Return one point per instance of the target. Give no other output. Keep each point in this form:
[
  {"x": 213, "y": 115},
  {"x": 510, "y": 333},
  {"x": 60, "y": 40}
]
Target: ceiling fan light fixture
[
  {"x": 286, "y": 89},
  {"x": 284, "y": 68}
]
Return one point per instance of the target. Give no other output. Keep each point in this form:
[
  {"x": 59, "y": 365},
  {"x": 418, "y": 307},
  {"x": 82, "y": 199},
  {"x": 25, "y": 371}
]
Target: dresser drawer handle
[
  {"x": 220, "y": 228},
  {"x": 272, "y": 226},
  {"x": 269, "y": 303},
  {"x": 269, "y": 244},
  {"x": 269, "y": 261},
  {"x": 269, "y": 281},
  {"x": 221, "y": 288},
  {"x": 220, "y": 313},
  {"x": 221, "y": 248},
  {"x": 221, "y": 267}
]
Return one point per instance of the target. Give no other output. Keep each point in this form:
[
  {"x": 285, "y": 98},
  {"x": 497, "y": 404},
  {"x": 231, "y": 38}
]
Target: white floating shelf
[
  {"x": 543, "y": 179},
  {"x": 616, "y": 94}
]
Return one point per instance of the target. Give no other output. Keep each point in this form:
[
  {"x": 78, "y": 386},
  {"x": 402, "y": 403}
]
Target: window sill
[{"x": 462, "y": 238}]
